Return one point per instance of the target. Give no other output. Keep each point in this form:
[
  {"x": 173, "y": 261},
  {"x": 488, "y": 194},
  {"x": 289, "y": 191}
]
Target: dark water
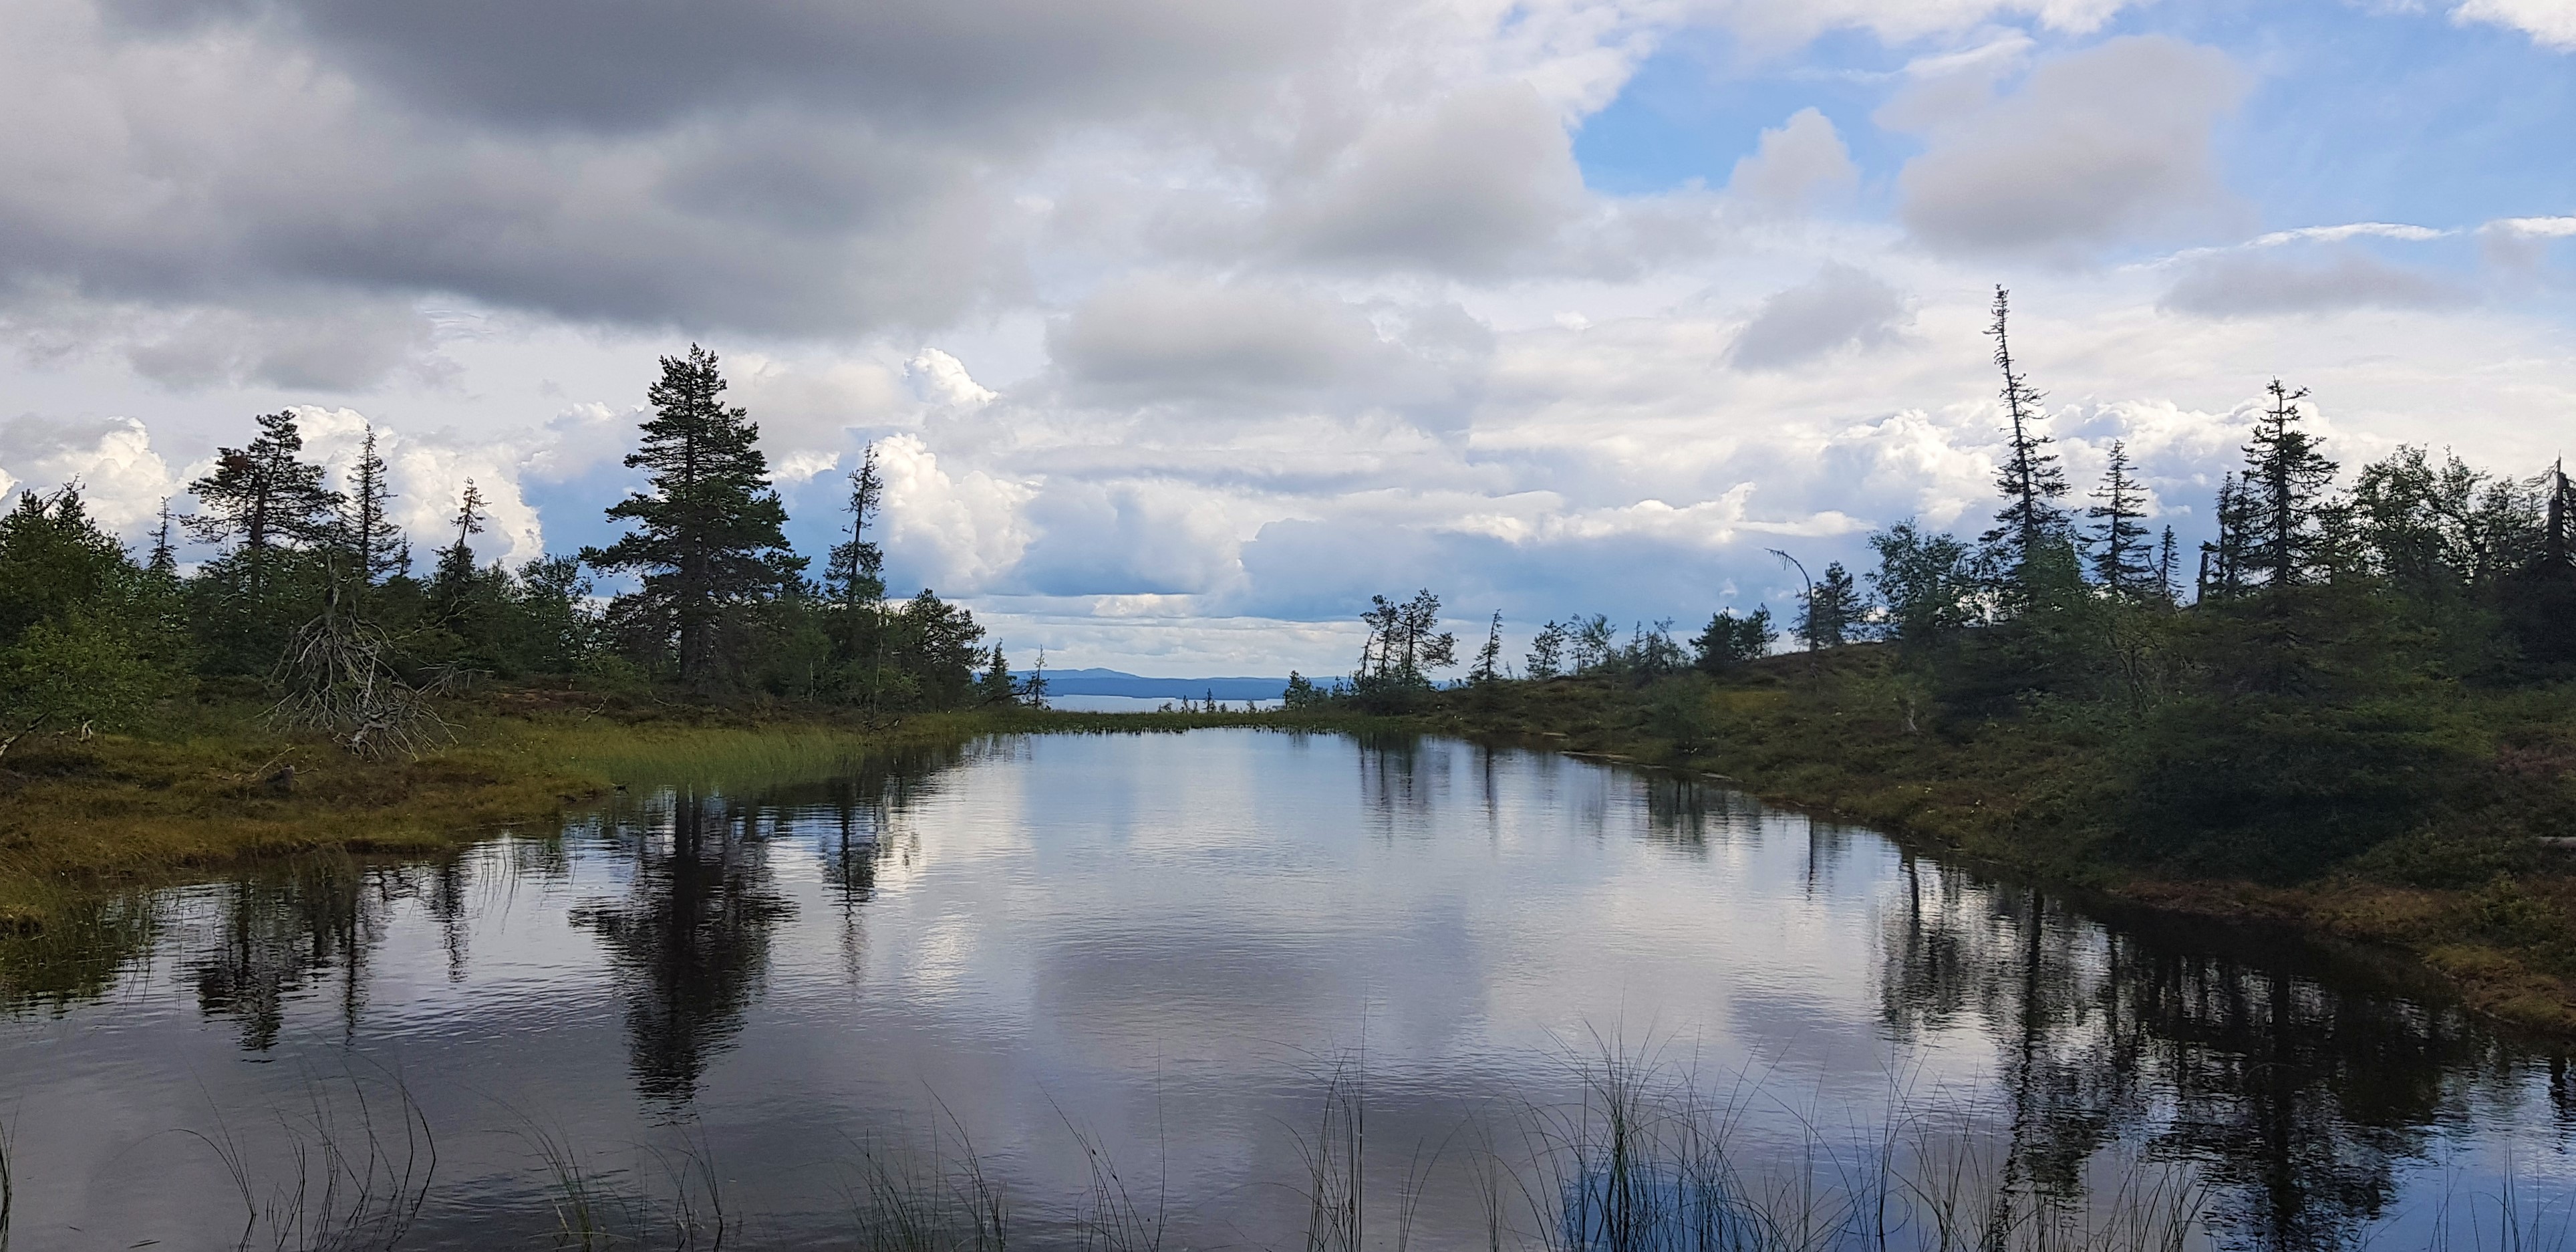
[{"x": 1167, "y": 947}]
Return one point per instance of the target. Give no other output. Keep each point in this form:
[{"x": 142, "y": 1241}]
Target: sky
[{"x": 1181, "y": 327}]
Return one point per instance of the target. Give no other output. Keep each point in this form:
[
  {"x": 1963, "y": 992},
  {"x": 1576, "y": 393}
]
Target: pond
[{"x": 1232, "y": 988}]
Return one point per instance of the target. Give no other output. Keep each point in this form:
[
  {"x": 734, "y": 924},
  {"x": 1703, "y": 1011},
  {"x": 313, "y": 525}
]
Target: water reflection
[
  {"x": 2301, "y": 1102},
  {"x": 689, "y": 940},
  {"x": 1028, "y": 923}
]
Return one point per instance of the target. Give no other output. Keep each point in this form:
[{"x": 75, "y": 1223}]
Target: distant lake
[
  {"x": 1138, "y": 704},
  {"x": 1186, "y": 951}
]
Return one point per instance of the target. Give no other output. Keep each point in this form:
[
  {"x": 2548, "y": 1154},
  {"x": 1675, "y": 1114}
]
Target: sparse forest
[
  {"x": 2354, "y": 698},
  {"x": 312, "y": 596},
  {"x": 2361, "y": 678}
]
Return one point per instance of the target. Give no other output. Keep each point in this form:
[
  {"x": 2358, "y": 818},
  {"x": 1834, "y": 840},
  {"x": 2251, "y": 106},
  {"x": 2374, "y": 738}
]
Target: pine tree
[
  {"x": 2222, "y": 560},
  {"x": 854, "y": 581},
  {"x": 453, "y": 579},
  {"x": 165, "y": 558},
  {"x": 995, "y": 686},
  {"x": 375, "y": 545},
  {"x": 1489, "y": 659},
  {"x": 854, "y": 573},
  {"x": 2285, "y": 479},
  {"x": 2558, "y": 513},
  {"x": 1547, "y": 651},
  {"x": 707, "y": 536},
  {"x": 1833, "y": 609},
  {"x": 1730, "y": 641},
  {"x": 2121, "y": 563},
  {"x": 2030, "y": 523},
  {"x": 263, "y": 496}
]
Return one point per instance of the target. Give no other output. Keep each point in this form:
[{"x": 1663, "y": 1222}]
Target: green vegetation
[
  {"x": 310, "y": 605},
  {"x": 2363, "y": 720},
  {"x": 2358, "y": 717}
]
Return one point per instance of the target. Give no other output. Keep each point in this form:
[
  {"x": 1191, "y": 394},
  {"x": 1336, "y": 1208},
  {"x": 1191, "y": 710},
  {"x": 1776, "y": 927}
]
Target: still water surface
[{"x": 1165, "y": 946}]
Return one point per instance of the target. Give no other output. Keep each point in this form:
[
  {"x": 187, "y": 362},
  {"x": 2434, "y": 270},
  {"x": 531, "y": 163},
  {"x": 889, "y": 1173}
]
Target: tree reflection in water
[
  {"x": 254, "y": 944},
  {"x": 2296, "y": 1103},
  {"x": 689, "y": 943}
]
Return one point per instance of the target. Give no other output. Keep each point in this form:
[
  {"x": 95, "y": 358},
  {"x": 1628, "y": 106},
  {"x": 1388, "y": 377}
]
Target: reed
[
  {"x": 928, "y": 1201},
  {"x": 8, "y": 1186},
  {"x": 355, "y": 1178},
  {"x": 1640, "y": 1157}
]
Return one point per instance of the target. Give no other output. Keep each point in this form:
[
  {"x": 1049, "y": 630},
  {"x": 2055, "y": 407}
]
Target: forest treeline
[
  {"x": 2326, "y": 674},
  {"x": 316, "y": 593}
]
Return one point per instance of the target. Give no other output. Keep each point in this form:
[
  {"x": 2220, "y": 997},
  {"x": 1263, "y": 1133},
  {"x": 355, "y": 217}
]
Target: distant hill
[{"x": 1110, "y": 682}]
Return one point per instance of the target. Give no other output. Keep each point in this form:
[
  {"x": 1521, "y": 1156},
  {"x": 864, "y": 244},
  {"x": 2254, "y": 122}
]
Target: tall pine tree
[
  {"x": 1833, "y": 609},
  {"x": 165, "y": 557},
  {"x": 854, "y": 587},
  {"x": 451, "y": 582},
  {"x": 263, "y": 497},
  {"x": 707, "y": 534},
  {"x": 2121, "y": 561},
  {"x": 2031, "y": 527},
  {"x": 375, "y": 546},
  {"x": 2285, "y": 479}
]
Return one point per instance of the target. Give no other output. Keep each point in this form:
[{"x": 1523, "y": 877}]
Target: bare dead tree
[{"x": 338, "y": 677}]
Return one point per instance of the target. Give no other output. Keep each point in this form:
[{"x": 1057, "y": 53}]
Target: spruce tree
[
  {"x": 2031, "y": 524},
  {"x": 707, "y": 535},
  {"x": 2285, "y": 479},
  {"x": 453, "y": 578},
  {"x": 2168, "y": 568},
  {"x": 264, "y": 497},
  {"x": 1489, "y": 659},
  {"x": 2222, "y": 560},
  {"x": 2558, "y": 514},
  {"x": 165, "y": 558},
  {"x": 995, "y": 686},
  {"x": 854, "y": 584},
  {"x": 854, "y": 573},
  {"x": 2120, "y": 563},
  {"x": 1833, "y": 609},
  {"x": 375, "y": 546}
]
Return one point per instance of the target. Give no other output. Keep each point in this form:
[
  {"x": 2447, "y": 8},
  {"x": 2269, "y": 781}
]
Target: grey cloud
[
  {"x": 2240, "y": 284},
  {"x": 2097, "y": 147},
  {"x": 1482, "y": 180},
  {"x": 777, "y": 166},
  {"x": 330, "y": 345},
  {"x": 1163, "y": 334},
  {"x": 1840, "y": 307},
  {"x": 1127, "y": 538},
  {"x": 1160, "y": 339},
  {"x": 629, "y": 65}
]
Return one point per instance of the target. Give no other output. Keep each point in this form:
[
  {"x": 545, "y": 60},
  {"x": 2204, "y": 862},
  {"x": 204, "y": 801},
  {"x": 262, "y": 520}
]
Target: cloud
[
  {"x": 1802, "y": 161},
  {"x": 122, "y": 479},
  {"x": 2097, "y": 148},
  {"x": 959, "y": 532},
  {"x": 1163, "y": 336},
  {"x": 942, "y": 379},
  {"x": 427, "y": 477},
  {"x": 1783, "y": 22},
  {"x": 1840, "y": 307},
  {"x": 2523, "y": 243},
  {"x": 2550, "y": 23},
  {"x": 1128, "y": 538},
  {"x": 344, "y": 346},
  {"x": 615, "y": 65},
  {"x": 1468, "y": 186},
  {"x": 2228, "y": 285}
]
